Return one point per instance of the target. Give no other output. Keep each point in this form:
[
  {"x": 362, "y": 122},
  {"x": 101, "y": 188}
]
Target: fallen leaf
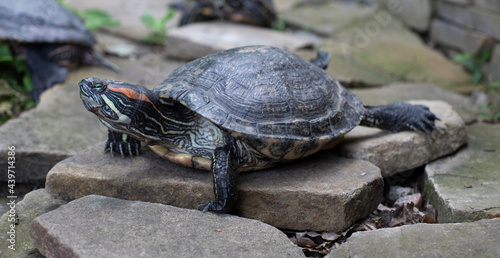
[{"x": 330, "y": 236}]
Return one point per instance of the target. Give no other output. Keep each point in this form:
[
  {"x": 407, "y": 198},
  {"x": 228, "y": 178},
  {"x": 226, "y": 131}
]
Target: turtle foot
[
  {"x": 123, "y": 144},
  {"x": 213, "y": 206},
  {"x": 399, "y": 117}
]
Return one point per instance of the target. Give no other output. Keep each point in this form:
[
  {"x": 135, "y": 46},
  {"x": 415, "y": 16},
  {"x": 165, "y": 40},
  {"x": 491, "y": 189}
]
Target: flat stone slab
[
  {"x": 98, "y": 226},
  {"x": 60, "y": 126},
  {"x": 398, "y": 152},
  {"x": 466, "y": 186},
  {"x": 477, "y": 239},
  {"x": 322, "y": 193},
  {"x": 202, "y": 38},
  {"x": 33, "y": 205},
  {"x": 327, "y": 18}
]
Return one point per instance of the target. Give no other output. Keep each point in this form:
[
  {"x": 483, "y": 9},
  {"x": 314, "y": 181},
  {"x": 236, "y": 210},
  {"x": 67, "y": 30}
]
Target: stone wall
[{"x": 455, "y": 26}]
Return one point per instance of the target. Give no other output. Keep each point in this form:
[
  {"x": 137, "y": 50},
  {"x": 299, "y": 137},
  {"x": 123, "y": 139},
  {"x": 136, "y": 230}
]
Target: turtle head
[{"x": 117, "y": 104}]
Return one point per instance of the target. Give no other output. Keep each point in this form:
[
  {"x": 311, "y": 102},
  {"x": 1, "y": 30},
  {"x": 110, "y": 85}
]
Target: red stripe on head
[{"x": 130, "y": 93}]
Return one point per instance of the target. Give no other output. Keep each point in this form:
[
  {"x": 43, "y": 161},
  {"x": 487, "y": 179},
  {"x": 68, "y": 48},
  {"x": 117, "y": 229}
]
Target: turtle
[
  {"x": 254, "y": 12},
  {"x": 241, "y": 109},
  {"x": 50, "y": 37}
]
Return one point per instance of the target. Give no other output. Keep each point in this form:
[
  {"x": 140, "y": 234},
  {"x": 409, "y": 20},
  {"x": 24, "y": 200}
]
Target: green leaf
[
  {"x": 485, "y": 56},
  {"x": 95, "y": 19},
  {"x": 5, "y": 55},
  {"x": 28, "y": 84},
  {"x": 494, "y": 86},
  {"x": 157, "y": 36},
  {"x": 477, "y": 76},
  {"x": 148, "y": 19},
  {"x": 496, "y": 116},
  {"x": 169, "y": 15},
  {"x": 461, "y": 58},
  {"x": 484, "y": 106},
  {"x": 485, "y": 115}
]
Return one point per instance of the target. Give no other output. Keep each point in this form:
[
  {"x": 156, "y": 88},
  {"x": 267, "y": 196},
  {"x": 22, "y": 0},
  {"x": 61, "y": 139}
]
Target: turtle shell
[
  {"x": 276, "y": 102},
  {"x": 41, "y": 21}
]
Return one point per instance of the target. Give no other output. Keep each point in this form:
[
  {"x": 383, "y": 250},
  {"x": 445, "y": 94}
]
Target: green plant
[
  {"x": 159, "y": 27},
  {"x": 279, "y": 24},
  {"x": 15, "y": 85},
  {"x": 92, "y": 18},
  {"x": 473, "y": 63},
  {"x": 95, "y": 19},
  {"x": 491, "y": 110},
  {"x": 13, "y": 70}
]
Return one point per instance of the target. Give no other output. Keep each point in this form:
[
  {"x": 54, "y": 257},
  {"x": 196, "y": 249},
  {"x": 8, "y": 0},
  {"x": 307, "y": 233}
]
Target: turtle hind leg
[
  {"x": 399, "y": 117},
  {"x": 224, "y": 183},
  {"x": 44, "y": 73},
  {"x": 321, "y": 60},
  {"x": 123, "y": 144}
]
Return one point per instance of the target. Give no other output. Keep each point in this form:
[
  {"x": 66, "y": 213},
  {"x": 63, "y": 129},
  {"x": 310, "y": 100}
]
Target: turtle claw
[
  {"x": 213, "y": 206},
  {"x": 123, "y": 144},
  {"x": 422, "y": 119}
]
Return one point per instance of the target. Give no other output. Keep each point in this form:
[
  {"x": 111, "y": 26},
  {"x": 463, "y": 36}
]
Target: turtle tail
[
  {"x": 321, "y": 60},
  {"x": 91, "y": 57}
]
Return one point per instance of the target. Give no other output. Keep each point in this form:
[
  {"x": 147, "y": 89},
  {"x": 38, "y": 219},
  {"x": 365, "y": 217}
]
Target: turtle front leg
[
  {"x": 224, "y": 183},
  {"x": 123, "y": 144}
]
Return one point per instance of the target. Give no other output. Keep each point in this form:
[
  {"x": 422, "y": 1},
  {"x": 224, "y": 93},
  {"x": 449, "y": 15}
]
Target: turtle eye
[{"x": 99, "y": 87}]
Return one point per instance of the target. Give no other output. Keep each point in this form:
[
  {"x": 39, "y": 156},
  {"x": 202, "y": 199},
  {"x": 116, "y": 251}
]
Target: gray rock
[
  {"x": 98, "y": 226},
  {"x": 33, "y": 205},
  {"x": 478, "y": 239},
  {"x": 493, "y": 68},
  {"x": 491, "y": 5},
  {"x": 322, "y": 193},
  {"x": 398, "y": 152},
  {"x": 472, "y": 17},
  {"x": 415, "y": 14},
  {"x": 199, "y": 39},
  {"x": 460, "y": 2},
  {"x": 380, "y": 50},
  {"x": 450, "y": 35},
  {"x": 465, "y": 186},
  {"x": 329, "y": 18},
  {"x": 60, "y": 126}
]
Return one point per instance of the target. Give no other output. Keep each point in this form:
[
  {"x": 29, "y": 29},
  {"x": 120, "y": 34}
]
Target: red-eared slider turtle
[
  {"x": 237, "y": 110},
  {"x": 255, "y": 12},
  {"x": 50, "y": 37}
]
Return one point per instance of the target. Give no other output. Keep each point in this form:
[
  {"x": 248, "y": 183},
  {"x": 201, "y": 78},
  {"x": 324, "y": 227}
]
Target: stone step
[
  {"x": 394, "y": 153},
  {"x": 466, "y": 186},
  {"x": 98, "y": 226},
  {"x": 323, "y": 193},
  {"x": 477, "y": 239},
  {"x": 33, "y": 205},
  {"x": 200, "y": 39}
]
